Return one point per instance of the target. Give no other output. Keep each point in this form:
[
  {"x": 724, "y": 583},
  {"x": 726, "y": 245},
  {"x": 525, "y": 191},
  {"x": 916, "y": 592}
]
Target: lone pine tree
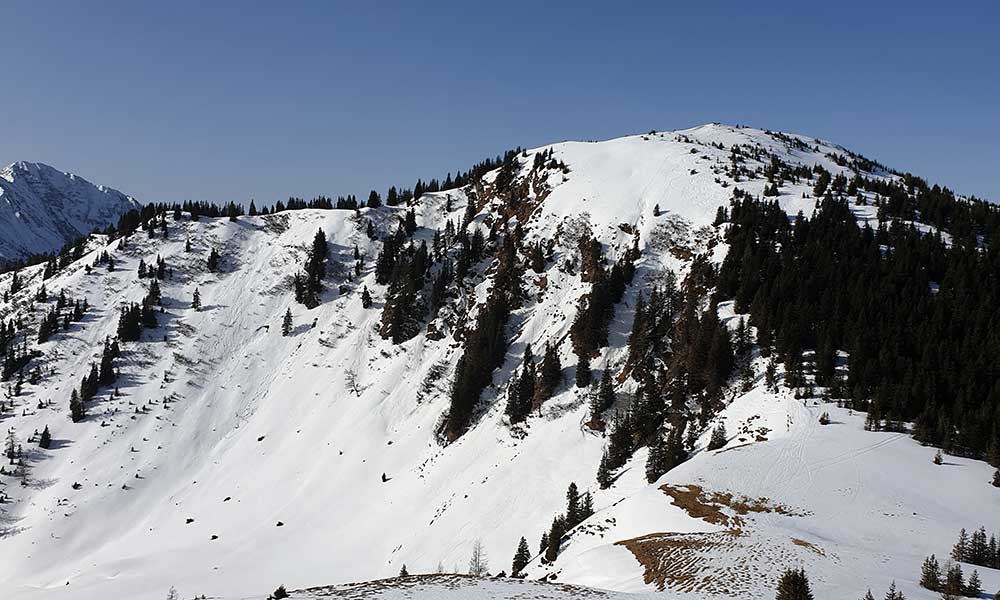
[
  {"x": 45, "y": 440},
  {"x": 521, "y": 558},
  {"x": 794, "y": 585}
]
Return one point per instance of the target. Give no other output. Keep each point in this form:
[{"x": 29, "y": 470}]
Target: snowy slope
[
  {"x": 275, "y": 447},
  {"x": 42, "y": 208}
]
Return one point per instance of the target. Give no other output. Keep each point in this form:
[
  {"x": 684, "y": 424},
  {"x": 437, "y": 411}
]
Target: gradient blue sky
[{"x": 231, "y": 100}]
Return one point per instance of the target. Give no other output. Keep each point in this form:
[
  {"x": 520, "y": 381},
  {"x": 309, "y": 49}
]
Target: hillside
[
  {"x": 43, "y": 209},
  {"x": 227, "y": 458}
]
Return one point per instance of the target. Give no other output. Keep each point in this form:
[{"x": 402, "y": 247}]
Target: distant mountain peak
[{"x": 43, "y": 208}]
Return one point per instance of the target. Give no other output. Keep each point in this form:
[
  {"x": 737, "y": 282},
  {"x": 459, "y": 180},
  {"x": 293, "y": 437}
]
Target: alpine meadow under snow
[{"x": 220, "y": 447}]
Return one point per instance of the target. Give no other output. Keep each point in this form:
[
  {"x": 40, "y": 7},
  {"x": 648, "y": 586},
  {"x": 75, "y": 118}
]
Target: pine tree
[
  {"x": 550, "y": 373},
  {"x": 583, "y": 375},
  {"x": 604, "y": 472},
  {"x": 868, "y": 595},
  {"x": 556, "y": 533},
  {"x": 794, "y": 585},
  {"x": 366, "y": 298},
  {"x": 76, "y": 409},
  {"x": 521, "y": 558},
  {"x": 930, "y": 574},
  {"x": 960, "y": 551},
  {"x": 656, "y": 460},
  {"x": 213, "y": 261},
  {"x": 403, "y": 572},
  {"x": 954, "y": 583},
  {"x": 606, "y": 391},
  {"x": 719, "y": 437},
  {"x": 279, "y": 594},
  {"x": 974, "y": 586},
  {"x": 196, "y": 300},
  {"x": 572, "y": 506},
  {"x": 46, "y": 438},
  {"x": 286, "y": 323},
  {"x": 893, "y": 594}
]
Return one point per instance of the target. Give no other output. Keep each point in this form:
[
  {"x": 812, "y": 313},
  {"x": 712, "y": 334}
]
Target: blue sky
[{"x": 232, "y": 100}]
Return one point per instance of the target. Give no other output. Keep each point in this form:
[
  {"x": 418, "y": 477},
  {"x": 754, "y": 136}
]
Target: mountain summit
[{"x": 42, "y": 209}]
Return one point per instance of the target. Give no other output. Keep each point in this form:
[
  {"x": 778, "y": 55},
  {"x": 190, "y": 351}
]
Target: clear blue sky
[{"x": 232, "y": 100}]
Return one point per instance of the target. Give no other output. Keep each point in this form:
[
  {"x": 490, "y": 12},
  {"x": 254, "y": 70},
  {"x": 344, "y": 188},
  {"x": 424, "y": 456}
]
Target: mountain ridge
[{"x": 224, "y": 445}]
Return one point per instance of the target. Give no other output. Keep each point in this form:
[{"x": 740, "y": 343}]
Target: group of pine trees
[
  {"x": 949, "y": 580},
  {"x": 486, "y": 342},
  {"x": 132, "y": 319},
  {"x": 533, "y": 384},
  {"x": 579, "y": 507},
  {"x": 913, "y": 311},
  {"x": 678, "y": 352},
  {"x": 309, "y": 283},
  {"x": 977, "y": 549},
  {"x": 99, "y": 376},
  {"x": 404, "y": 268},
  {"x": 589, "y": 330},
  {"x": 64, "y": 312}
]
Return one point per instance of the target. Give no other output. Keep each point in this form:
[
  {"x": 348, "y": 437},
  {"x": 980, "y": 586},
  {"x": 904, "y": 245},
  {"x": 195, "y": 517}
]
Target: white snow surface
[
  {"x": 41, "y": 209},
  {"x": 277, "y": 445}
]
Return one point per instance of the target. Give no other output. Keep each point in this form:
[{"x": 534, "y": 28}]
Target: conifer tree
[
  {"x": 572, "y": 506},
  {"x": 46, "y": 438},
  {"x": 794, "y": 585},
  {"x": 196, "y": 300},
  {"x": 556, "y": 533},
  {"x": 606, "y": 391},
  {"x": 550, "y": 373},
  {"x": 403, "y": 572},
  {"x": 366, "y": 298},
  {"x": 213, "y": 261},
  {"x": 522, "y": 389},
  {"x": 930, "y": 574},
  {"x": 893, "y": 594},
  {"x": 719, "y": 437},
  {"x": 656, "y": 460},
  {"x": 286, "y": 323},
  {"x": 583, "y": 375},
  {"x": 974, "y": 586},
  {"x": 960, "y": 551},
  {"x": 604, "y": 472},
  {"x": 954, "y": 583},
  {"x": 76, "y": 408},
  {"x": 521, "y": 558}
]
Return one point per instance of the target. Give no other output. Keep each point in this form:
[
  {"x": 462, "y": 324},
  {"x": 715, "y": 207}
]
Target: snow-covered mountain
[
  {"x": 228, "y": 458},
  {"x": 41, "y": 209}
]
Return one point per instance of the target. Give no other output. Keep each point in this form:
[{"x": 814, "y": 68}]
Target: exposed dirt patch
[
  {"x": 711, "y": 506},
  {"x": 690, "y": 562},
  {"x": 808, "y": 546}
]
